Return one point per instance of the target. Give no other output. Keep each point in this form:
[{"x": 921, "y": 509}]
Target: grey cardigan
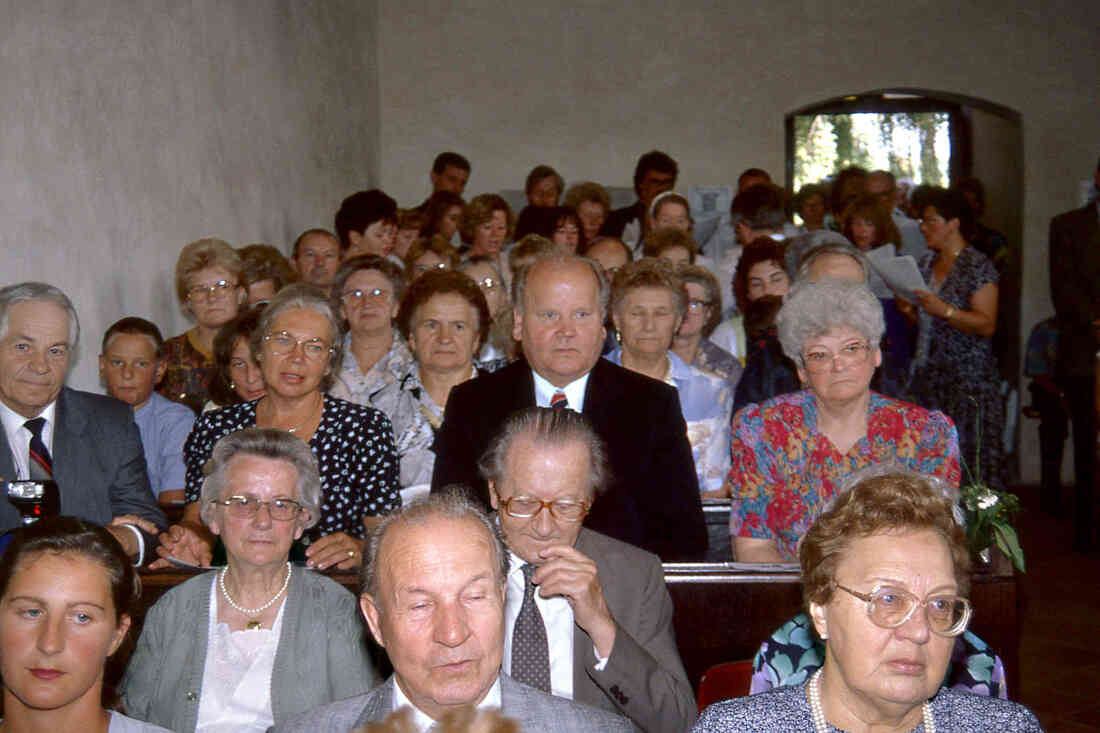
[{"x": 321, "y": 657}]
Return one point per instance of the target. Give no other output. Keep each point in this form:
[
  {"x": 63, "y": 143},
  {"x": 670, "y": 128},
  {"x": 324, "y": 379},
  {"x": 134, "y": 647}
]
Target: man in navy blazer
[
  {"x": 1075, "y": 290},
  {"x": 92, "y": 440},
  {"x": 652, "y": 497}
]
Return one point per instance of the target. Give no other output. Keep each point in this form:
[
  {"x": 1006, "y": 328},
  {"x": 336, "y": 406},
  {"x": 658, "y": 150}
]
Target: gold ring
[{"x": 351, "y": 553}]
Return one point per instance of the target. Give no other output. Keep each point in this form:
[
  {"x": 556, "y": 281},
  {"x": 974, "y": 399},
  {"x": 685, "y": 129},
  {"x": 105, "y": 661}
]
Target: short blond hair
[{"x": 201, "y": 254}]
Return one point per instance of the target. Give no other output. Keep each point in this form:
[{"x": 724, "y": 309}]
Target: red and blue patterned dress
[{"x": 784, "y": 470}]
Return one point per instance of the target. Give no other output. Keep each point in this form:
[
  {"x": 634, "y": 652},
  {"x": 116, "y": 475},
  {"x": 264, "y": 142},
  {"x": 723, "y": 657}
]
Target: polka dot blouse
[{"x": 355, "y": 453}]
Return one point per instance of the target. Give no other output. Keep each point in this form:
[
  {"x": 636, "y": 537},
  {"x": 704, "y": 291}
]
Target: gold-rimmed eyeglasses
[
  {"x": 243, "y": 507},
  {"x": 821, "y": 360},
  {"x": 283, "y": 343},
  {"x": 889, "y": 608},
  {"x": 525, "y": 507},
  {"x": 217, "y": 290}
]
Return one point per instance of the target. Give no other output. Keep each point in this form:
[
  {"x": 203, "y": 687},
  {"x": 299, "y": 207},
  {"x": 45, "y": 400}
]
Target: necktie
[
  {"x": 559, "y": 401},
  {"x": 40, "y": 463},
  {"x": 530, "y": 650}
]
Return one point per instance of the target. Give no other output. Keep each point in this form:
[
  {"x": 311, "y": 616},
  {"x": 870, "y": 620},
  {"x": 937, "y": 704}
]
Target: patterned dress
[
  {"x": 355, "y": 455},
  {"x": 794, "y": 652},
  {"x": 354, "y": 386},
  {"x": 956, "y": 372},
  {"x": 787, "y": 710},
  {"x": 706, "y": 403},
  {"x": 189, "y": 373},
  {"x": 415, "y": 418},
  {"x": 784, "y": 470}
]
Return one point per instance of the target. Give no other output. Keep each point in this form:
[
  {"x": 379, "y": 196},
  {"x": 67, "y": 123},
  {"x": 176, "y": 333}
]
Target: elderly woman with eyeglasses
[
  {"x": 648, "y": 304},
  {"x": 297, "y": 345},
  {"x": 243, "y": 648},
  {"x": 209, "y": 288},
  {"x": 885, "y": 573},
  {"x": 366, "y": 293},
  {"x": 789, "y": 453}
]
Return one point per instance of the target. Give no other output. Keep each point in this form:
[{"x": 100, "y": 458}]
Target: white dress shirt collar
[
  {"x": 19, "y": 437},
  {"x": 422, "y": 721},
  {"x": 574, "y": 391}
]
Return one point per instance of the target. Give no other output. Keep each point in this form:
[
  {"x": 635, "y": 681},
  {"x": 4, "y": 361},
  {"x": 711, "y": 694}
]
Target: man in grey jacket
[
  {"x": 433, "y": 595},
  {"x": 603, "y": 603}
]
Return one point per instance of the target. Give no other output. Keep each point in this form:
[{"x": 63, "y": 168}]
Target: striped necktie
[
  {"x": 40, "y": 463},
  {"x": 559, "y": 401}
]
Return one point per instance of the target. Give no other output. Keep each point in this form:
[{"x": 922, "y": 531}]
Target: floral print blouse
[
  {"x": 355, "y": 454},
  {"x": 783, "y": 470},
  {"x": 188, "y": 374}
]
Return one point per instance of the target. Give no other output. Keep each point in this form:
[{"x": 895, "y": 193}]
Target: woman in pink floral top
[{"x": 789, "y": 453}]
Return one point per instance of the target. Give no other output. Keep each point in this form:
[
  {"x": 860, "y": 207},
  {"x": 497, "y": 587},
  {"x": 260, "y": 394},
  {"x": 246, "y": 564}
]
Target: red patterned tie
[
  {"x": 40, "y": 463},
  {"x": 559, "y": 401}
]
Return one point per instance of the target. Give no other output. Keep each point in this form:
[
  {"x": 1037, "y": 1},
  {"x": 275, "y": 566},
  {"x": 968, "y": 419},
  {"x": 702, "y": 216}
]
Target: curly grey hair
[
  {"x": 306, "y": 297},
  {"x": 812, "y": 309},
  {"x": 453, "y": 502},
  {"x": 277, "y": 445}
]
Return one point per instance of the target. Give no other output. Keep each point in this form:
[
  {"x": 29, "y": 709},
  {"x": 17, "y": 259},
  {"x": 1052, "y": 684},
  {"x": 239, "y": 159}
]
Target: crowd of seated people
[{"x": 368, "y": 401}]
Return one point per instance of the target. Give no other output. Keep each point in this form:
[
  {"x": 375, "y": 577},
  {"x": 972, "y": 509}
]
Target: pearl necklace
[
  {"x": 253, "y": 623},
  {"x": 819, "y": 713}
]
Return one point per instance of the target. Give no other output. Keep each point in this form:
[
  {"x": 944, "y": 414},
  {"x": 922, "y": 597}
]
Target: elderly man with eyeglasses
[{"x": 587, "y": 617}]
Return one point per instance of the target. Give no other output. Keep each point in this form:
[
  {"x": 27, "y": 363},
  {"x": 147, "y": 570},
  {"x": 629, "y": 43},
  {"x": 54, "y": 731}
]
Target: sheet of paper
[{"x": 900, "y": 274}]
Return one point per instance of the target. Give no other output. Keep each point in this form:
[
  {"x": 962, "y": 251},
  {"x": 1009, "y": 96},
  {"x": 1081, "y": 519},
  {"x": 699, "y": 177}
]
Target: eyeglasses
[
  {"x": 698, "y": 304},
  {"x": 218, "y": 290},
  {"x": 488, "y": 283},
  {"x": 243, "y": 507},
  {"x": 849, "y": 355},
  {"x": 889, "y": 608},
  {"x": 373, "y": 293},
  {"x": 284, "y": 343},
  {"x": 525, "y": 507},
  {"x": 429, "y": 268}
]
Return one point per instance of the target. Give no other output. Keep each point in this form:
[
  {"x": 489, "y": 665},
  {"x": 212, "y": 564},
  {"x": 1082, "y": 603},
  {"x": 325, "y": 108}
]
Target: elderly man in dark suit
[
  {"x": 1075, "y": 289},
  {"x": 432, "y": 585},
  {"x": 88, "y": 444},
  {"x": 587, "y": 617},
  {"x": 652, "y": 499}
]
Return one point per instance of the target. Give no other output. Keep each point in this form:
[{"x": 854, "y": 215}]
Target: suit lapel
[
  {"x": 379, "y": 704},
  {"x": 68, "y": 434},
  {"x": 600, "y": 394},
  {"x": 7, "y": 460}
]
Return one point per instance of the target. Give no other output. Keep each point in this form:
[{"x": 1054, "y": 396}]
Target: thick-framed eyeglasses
[
  {"x": 849, "y": 355},
  {"x": 525, "y": 507},
  {"x": 283, "y": 343},
  {"x": 695, "y": 304},
  {"x": 243, "y": 507},
  {"x": 373, "y": 294},
  {"x": 889, "y": 608},
  {"x": 217, "y": 290}
]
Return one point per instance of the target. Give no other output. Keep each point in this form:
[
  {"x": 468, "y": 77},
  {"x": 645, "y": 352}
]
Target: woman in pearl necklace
[
  {"x": 885, "y": 572},
  {"x": 243, "y": 648}
]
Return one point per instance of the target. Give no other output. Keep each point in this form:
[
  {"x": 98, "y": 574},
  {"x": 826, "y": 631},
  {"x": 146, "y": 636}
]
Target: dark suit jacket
[
  {"x": 652, "y": 498},
  {"x": 1075, "y": 287},
  {"x": 644, "y": 678},
  {"x": 98, "y": 462},
  {"x": 617, "y": 219},
  {"x": 535, "y": 711}
]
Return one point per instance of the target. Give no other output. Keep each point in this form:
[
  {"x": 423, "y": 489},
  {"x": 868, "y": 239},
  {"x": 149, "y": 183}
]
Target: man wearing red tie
[{"x": 652, "y": 500}]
